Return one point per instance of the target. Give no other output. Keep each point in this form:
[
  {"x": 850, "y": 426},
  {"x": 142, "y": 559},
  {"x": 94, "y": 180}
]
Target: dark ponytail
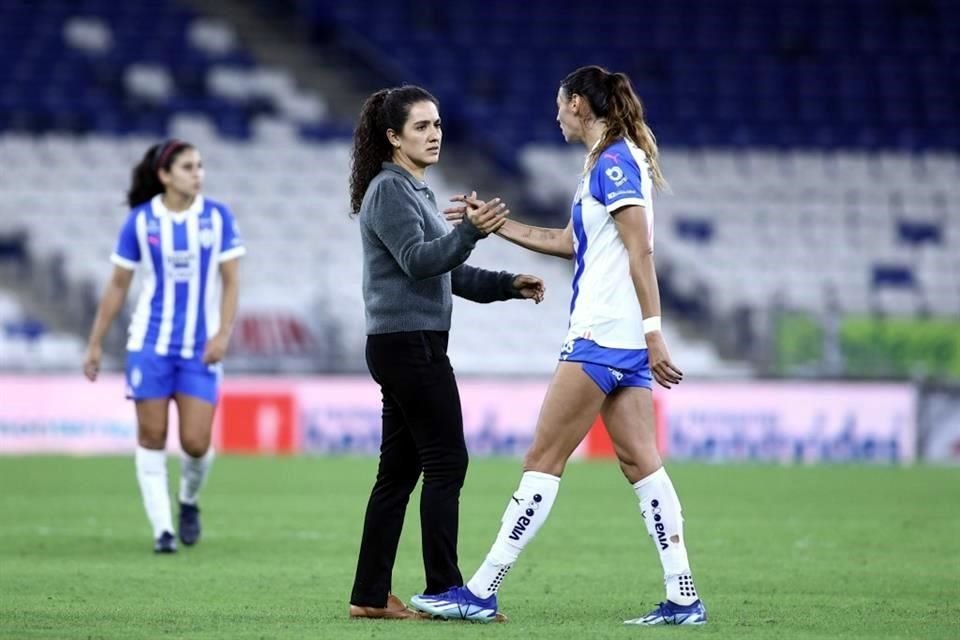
[
  {"x": 145, "y": 181},
  {"x": 613, "y": 99},
  {"x": 383, "y": 110}
]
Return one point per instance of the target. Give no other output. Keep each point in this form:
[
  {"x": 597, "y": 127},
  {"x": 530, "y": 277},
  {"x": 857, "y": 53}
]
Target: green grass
[{"x": 778, "y": 552}]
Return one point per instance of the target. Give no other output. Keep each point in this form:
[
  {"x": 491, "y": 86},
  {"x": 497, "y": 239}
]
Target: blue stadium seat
[{"x": 837, "y": 73}]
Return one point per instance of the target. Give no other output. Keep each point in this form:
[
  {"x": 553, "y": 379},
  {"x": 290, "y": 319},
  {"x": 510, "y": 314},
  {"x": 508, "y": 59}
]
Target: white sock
[
  {"x": 661, "y": 511},
  {"x": 193, "y": 473},
  {"x": 152, "y": 476},
  {"x": 525, "y": 514}
]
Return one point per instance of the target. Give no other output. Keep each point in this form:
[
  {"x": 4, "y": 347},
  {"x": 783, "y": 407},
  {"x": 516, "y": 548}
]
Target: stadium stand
[
  {"x": 820, "y": 138},
  {"x": 734, "y": 73}
]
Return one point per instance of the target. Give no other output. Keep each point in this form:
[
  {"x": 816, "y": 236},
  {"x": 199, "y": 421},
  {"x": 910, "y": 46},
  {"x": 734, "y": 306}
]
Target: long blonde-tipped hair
[{"x": 612, "y": 98}]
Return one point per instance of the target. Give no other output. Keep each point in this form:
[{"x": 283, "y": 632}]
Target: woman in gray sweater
[{"x": 413, "y": 263}]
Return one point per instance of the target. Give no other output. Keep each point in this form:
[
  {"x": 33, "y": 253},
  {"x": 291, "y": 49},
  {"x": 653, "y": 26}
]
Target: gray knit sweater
[{"x": 413, "y": 262}]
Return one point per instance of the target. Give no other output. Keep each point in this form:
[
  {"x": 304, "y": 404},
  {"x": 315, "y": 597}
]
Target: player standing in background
[
  {"x": 613, "y": 346},
  {"x": 412, "y": 266},
  {"x": 187, "y": 247}
]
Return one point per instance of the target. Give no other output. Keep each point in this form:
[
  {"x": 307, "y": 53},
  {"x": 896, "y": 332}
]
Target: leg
[
  {"x": 629, "y": 417},
  {"x": 151, "y": 464},
  {"x": 630, "y": 421},
  {"x": 397, "y": 476},
  {"x": 196, "y": 396},
  {"x": 150, "y": 384},
  {"x": 569, "y": 409},
  {"x": 196, "y": 424},
  {"x": 430, "y": 402}
]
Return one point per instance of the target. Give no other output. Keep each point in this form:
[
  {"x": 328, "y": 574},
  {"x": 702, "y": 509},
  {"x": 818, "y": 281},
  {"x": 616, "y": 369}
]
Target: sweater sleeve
[
  {"x": 395, "y": 219},
  {"x": 480, "y": 285}
]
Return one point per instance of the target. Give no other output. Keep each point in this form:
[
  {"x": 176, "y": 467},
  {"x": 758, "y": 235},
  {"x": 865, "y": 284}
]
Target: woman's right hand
[
  {"x": 91, "y": 361},
  {"x": 487, "y": 217}
]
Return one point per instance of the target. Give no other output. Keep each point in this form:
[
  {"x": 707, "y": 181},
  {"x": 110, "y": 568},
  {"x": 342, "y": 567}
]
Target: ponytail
[
  {"x": 627, "y": 117},
  {"x": 370, "y": 148},
  {"x": 145, "y": 180},
  {"x": 612, "y": 98}
]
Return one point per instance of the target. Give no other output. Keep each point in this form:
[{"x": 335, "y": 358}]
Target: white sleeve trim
[
  {"x": 120, "y": 261},
  {"x": 230, "y": 254},
  {"x": 613, "y": 207}
]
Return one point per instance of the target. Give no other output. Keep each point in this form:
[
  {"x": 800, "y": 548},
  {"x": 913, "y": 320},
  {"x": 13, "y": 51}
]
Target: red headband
[{"x": 168, "y": 149}]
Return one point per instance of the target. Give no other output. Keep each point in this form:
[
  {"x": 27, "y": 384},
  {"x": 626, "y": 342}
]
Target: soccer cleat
[
  {"x": 671, "y": 613},
  {"x": 166, "y": 543},
  {"x": 189, "y": 524},
  {"x": 458, "y": 603}
]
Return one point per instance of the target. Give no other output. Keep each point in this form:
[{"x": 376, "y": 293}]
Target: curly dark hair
[
  {"x": 383, "y": 110},
  {"x": 144, "y": 181}
]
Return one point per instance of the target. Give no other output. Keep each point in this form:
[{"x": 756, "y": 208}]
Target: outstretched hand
[
  {"x": 530, "y": 287},
  {"x": 488, "y": 217}
]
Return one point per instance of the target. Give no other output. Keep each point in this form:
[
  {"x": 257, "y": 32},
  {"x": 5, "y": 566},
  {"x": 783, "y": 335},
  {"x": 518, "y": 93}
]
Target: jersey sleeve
[
  {"x": 127, "y": 252},
  {"x": 616, "y": 182},
  {"x": 231, "y": 244}
]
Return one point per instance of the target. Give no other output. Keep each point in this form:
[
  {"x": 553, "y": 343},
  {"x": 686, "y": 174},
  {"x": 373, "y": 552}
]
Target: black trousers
[{"x": 422, "y": 432}]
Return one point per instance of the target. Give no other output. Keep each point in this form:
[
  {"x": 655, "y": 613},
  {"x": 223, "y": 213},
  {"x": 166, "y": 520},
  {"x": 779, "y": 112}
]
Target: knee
[
  {"x": 195, "y": 447},
  {"x": 152, "y": 438},
  {"x": 638, "y": 465},
  {"x": 403, "y": 479},
  {"x": 450, "y": 467}
]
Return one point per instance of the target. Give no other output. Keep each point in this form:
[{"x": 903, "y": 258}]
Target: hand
[
  {"x": 91, "y": 361},
  {"x": 530, "y": 287},
  {"x": 216, "y": 349},
  {"x": 454, "y": 215},
  {"x": 487, "y": 217},
  {"x": 664, "y": 371}
]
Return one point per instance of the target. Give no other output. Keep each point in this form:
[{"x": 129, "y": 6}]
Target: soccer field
[{"x": 778, "y": 552}]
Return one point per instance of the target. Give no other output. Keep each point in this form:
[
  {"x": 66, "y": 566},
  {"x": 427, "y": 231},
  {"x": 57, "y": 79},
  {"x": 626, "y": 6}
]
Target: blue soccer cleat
[
  {"x": 166, "y": 543},
  {"x": 189, "y": 524},
  {"x": 670, "y": 613},
  {"x": 458, "y": 603}
]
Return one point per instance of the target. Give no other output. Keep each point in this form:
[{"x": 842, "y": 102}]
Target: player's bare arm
[
  {"x": 545, "y": 240},
  {"x": 631, "y": 222}
]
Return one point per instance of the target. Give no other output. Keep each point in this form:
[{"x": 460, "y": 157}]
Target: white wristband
[{"x": 651, "y": 324}]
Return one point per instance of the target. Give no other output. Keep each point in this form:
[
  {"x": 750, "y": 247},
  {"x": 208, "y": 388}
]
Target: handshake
[{"x": 487, "y": 217}]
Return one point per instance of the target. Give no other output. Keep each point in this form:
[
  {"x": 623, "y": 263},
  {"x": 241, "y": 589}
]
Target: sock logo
[
  {"x": 524, "y": 521},
  {"x": 658, "y": 525}
]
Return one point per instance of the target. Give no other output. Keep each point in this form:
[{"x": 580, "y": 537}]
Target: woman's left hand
[
  {"x": 216, "y": 349},
  {"x": 530, "y": 287}
]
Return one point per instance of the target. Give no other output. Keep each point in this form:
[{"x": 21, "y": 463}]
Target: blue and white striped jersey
[
  {"x": 179, "y": 255},
  {"x": 604, "y": 307}
]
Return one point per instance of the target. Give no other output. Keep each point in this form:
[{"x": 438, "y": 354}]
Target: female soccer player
[
  {"x": 413, "y": 264},
  {"x": 187, "y": 247},
  {"x": 612, "y": 351}
]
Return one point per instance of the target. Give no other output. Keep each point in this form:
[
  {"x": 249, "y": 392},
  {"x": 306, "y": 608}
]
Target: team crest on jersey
[{"x": 206, "y": 237}]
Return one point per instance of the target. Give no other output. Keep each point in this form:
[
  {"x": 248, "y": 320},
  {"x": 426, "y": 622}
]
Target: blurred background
[{"x": 807, "y": 253}]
